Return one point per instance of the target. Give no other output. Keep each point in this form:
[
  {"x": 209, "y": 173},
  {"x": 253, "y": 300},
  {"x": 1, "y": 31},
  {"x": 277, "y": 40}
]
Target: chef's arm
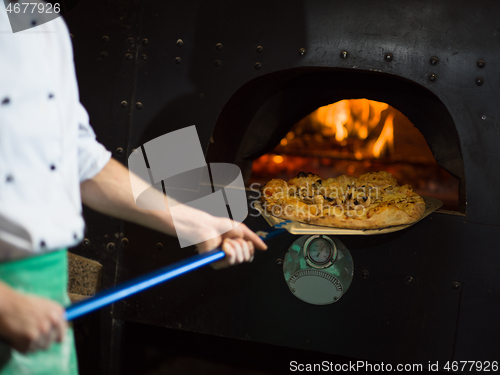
[{"x": 110, "y": 193}]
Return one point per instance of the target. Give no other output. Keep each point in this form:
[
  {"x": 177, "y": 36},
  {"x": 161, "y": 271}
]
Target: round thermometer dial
[{"x": 320, "y": 251}]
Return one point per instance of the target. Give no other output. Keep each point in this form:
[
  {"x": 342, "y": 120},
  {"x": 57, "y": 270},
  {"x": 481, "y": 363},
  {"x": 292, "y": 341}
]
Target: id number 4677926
[
  {"x": 471, "y": 366},
  {"x": 32, "y": 8}
]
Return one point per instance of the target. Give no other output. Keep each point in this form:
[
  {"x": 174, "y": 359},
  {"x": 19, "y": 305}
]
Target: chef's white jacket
[{"x": 47, "y": 146}]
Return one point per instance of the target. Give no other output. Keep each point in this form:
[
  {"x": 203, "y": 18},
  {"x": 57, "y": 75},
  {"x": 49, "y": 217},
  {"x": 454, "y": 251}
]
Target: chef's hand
[
  {"x": 29, "y": 323},
  {"x": 238, "y": 244}
]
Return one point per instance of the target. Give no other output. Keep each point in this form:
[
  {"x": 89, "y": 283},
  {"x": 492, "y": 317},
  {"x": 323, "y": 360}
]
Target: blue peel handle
[{"x": 154, "y": 278}]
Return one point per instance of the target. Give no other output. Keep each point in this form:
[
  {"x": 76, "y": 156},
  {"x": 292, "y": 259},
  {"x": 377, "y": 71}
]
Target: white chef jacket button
[
  {"x": 6, "y": 101},
  {"x": 51, "y": 96},
  {"x": 52, "y": 167},
  {"x": 9, "y": 178}
]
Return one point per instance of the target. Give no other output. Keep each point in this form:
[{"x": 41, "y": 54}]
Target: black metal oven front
[{"x": 244, "y": 73}]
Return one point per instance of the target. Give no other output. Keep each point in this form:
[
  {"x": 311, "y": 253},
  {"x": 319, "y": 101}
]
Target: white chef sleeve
[{"x": 92, "y": 156}]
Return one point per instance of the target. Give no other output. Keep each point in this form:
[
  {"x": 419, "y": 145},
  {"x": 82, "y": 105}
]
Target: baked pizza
[{"x": 373, "y": 200}]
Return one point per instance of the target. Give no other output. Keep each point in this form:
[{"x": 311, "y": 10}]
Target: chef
[{"x": 50, "y": 162}]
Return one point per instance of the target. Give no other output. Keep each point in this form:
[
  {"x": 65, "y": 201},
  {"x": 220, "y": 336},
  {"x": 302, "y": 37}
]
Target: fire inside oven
[{"x": 355, "y": 136}]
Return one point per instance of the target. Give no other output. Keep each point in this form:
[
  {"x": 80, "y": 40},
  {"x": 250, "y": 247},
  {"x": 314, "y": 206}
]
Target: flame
[
  {"x": 335, "y": 116},
  {"x": 386, "y": 138},
  {"x": 356, "y": 118}
]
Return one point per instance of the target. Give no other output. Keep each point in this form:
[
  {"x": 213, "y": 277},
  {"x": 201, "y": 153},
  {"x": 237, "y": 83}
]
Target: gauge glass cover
[{"x": 320, "y": 251}]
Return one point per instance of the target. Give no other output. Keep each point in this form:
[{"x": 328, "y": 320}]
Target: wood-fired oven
[{"x": 245, "y": 73}]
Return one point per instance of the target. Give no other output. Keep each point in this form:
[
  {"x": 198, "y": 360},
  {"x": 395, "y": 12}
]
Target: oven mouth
[
  {"x": 267, "y": 108},
  {"x": 354, "y": 137}
]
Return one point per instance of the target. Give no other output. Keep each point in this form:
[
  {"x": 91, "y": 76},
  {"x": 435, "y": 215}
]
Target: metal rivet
[
  {"x": 432, "y": 77},
  {"x": 481, "y": 63},
  {"x": 479, "y": 81},
  {"x": 218, "y": 46},
  {"x": 409, "y": 280},
  {"x": 124, "y": 104},
  {"x": 145, "y": 42},
  {"x": 434, "y": 60},
  {"x": 302, "y": 51},
  {"x": 483, "y": 117},
  {"x": 344, "y": 54},
  {"x": 138, "y": 105},
  {"x": 218, "y": 63},
  {"x": 52, "y": 167},
  {"x": 128, "y": 56},
  {"x": 159, "y": 246},
  {"x": 130, "y": 40},
  {"x": 105, "y": 39},
  {"x": 259, "y": 49},
  {"x": 388, "y": 57},
  {"x": 119, "y": 151},
  {"x": 42, "y": 243},
  {"x": 258, "y": 65},
  {"x": 365, "y": 274},
  {"x": 86, "y": 242},
  {"x": 51, "y": 96},
  {"x": 179, "y": 43},
  {"x": 144, "y": 57},
  {"x": 455, "y": 285},
  {"x": 292, "y": 290},
  {"x": 9, "y": 178},
  {"x": 279, "y": 262},
  {"x": 104, "y": 55},
  {"x": 178, "y": 60},
  {"x": 124, "y": 242},
  {"x": 6, "y": 101},
  {"x": 111, "y": 246}
]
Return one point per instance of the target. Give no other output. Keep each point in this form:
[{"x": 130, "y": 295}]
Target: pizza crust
[{"x": 373, "y": 201}]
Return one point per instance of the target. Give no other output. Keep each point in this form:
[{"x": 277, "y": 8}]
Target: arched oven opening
[
  {"x": 355, "y": 136},
  {"x": 334, "y": 121}
]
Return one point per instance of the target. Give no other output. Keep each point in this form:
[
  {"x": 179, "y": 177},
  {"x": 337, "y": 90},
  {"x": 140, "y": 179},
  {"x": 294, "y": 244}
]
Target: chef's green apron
[{"x": 45, "y": 276}]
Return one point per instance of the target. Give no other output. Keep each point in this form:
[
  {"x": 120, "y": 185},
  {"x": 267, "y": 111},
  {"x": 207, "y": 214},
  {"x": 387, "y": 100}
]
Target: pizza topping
[
  {"x": 307, "y": 200},
  {"x": 319, "y": 199},
  {"x": 375, "y": 200},
  {"x": 365, "y": 201}
]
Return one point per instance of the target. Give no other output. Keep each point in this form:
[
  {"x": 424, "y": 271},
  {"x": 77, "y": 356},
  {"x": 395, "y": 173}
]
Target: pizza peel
[
  {"x": 295, "y": 227},
  {"x": 159, "y": 276}
]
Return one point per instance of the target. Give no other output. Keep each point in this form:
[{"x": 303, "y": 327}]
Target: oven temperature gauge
[
  {"x": 320, "y": 251},
  {"x": 318, "y": 269}
]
